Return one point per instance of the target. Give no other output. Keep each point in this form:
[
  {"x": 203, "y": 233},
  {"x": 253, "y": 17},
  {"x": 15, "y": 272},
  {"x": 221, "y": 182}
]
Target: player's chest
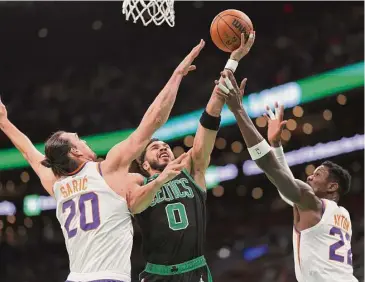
[{"x": 176, "y": 190}]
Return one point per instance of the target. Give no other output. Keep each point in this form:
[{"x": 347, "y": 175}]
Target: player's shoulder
[
  {"x": 332, "y": 205},
  {"x": 136, "y": 178}
]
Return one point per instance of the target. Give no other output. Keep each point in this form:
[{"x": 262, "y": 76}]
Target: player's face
[
  {"x": 158, "y": 155},
  {"x": 319, "y": 181},
  {"x": 82, "y": 149}
]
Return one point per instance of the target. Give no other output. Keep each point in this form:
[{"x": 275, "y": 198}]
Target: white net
[{"x": 157, "y": 11}]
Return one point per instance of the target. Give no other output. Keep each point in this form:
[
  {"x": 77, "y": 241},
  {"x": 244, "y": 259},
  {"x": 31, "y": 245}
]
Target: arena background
[{"x": 79, "y": 66}]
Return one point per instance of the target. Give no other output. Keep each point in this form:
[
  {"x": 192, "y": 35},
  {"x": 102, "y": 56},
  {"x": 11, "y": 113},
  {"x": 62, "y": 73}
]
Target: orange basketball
[{"x": 227, "y": 27}]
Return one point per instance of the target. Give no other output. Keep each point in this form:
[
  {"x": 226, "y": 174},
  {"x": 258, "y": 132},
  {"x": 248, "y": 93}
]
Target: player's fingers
[
  {"x": 243, "y": 41},
  {"x": 222, "y": 95},
  {"x": 277, "y": 110},
  {"x": 243, "y": 84},
  {"x": 270, "y": 113},
  {"x": 266, "y": 117},
  {"x": 223, "y": 88},
  {"x": 282, "y": 124},
  {"x": 233, "y": 80},
  {"x": 199, "y": 46},
  {"x": 281, "y": 112},
  {"x": 223, "y": 74},
  {"x": 177, "y": 167},
  {"x": 251, "y": 39},
  {"x": 196, "y": 50},
  {"x": 192, "y": 67},
  {"x": 180, "y": 158},
  {"x": 228, "y": 83}
]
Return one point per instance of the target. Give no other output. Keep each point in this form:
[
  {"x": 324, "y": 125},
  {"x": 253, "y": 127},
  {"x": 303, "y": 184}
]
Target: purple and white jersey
[
  {"x": 96, "y": 224},
  {"x": 323, "y": 252}
]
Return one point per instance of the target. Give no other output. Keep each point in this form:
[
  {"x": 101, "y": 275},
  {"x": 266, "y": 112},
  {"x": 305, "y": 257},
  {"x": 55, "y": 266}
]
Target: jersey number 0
[{"x": 176, "y": 216}]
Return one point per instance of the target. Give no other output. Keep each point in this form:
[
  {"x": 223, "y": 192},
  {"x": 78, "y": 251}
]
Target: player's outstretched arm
[
  {"x": 274, "y": 129},
  {"x": 293, "y": 189},
  {"x": 157, "y": 114},
  {"x": 140, "y": 197},
  {"x": 26, "y": 147},
  {"x": 209, "y": 122}
]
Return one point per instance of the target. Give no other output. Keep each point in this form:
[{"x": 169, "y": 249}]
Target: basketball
[{"x": 226, "y": 29}]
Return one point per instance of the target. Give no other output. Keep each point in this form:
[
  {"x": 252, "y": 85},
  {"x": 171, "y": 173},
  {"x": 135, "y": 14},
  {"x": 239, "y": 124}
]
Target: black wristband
[{"x": 210, "y": 122}]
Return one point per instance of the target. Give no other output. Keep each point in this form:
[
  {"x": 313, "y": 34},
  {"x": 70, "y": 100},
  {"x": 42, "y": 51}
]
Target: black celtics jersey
[{"x": 173, "y": 226}]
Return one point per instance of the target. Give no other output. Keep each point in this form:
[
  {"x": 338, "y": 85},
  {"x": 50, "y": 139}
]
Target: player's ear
[
  {"x": 333, "y": 187},
  {"x": 75, "y": 152},
  {"x": 146, "y": 166}
]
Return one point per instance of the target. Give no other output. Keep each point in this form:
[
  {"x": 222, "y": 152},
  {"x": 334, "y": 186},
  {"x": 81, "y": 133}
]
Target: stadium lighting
[
  {"x": 313, "y": 153},
  {"x": 290, "y": 95}
]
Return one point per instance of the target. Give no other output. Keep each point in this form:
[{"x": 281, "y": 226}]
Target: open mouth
[{"x": 164, "y": 155}]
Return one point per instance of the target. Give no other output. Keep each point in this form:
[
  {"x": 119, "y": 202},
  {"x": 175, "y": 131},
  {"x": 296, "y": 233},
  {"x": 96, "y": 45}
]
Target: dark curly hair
[
  {"x": 136, "y": 166},
  {"x": 339, "y": 175}
]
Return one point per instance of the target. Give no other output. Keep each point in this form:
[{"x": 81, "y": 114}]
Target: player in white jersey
[
  {"x": 321, "y": 245},
  {"x": 322, "y": 229},
  {"x": 95, "y": 200}
]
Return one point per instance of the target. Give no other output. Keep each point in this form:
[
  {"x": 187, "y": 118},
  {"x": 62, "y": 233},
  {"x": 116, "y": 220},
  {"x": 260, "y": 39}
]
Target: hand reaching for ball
[
  {"x": 186, "y": 65},
  {"x": 244, "y": 48}
]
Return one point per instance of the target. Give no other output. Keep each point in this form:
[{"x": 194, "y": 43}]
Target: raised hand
[
  {"x": 245, "y": 47},
  {"x": 173, "y": 169},
  {"x": 275, "y": 123},
  {"x": 186, "y": 65},
  {"x": 230, "y": 91},
  {"x": 3, "y": 113}
]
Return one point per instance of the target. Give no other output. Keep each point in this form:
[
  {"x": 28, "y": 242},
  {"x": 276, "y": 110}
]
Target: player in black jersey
[{"x": 174, "y": 222}]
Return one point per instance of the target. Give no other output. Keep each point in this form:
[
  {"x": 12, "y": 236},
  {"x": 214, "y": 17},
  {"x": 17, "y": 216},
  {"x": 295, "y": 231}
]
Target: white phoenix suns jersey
[
  {"x": 96, "y": 224},
  {"x": 322, "y": 253}
]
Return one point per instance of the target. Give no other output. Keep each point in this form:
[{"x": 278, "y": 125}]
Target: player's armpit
[
  {"x": 308, "y": 200},
  {"x": 296, "y": 191},
  {"x": 286, "y": 200}
]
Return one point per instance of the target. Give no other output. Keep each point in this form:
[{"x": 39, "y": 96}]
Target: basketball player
[
  {"x": 173, "y": 225},
  {"x": 94, "y": 199},
  {"x": 322, "y": 229}
]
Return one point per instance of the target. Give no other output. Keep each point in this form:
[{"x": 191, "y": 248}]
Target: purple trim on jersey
[
  {"x": 77, "y": 170},
  {"x": 102, "y": 280},
  {"x": 99, "y": 167}
]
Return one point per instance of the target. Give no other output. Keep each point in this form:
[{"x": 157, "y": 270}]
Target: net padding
[{"x": 157, "y": 11}]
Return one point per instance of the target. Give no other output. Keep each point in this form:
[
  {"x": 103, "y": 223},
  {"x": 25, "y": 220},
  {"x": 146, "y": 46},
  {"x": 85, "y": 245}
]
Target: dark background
[{"x": 88, "y": 80}]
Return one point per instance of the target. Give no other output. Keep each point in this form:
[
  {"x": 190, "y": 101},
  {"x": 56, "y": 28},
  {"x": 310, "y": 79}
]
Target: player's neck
[
  {"x": 153, "y": 172},
  {"x": 333, "y": 197}
]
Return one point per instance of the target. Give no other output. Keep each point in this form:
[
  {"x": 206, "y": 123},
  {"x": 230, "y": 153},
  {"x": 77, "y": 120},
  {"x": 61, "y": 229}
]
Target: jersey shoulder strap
[{"x": 190, "y": 177}]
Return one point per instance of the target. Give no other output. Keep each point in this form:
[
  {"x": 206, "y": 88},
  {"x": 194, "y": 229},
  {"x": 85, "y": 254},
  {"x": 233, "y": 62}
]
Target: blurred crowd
[{"x": 81, "y": 67}]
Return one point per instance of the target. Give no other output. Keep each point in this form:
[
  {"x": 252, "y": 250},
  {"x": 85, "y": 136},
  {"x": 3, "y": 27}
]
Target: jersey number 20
[
  {"x": 333, "y": 256},
  {"x": 85, "y": 226}
]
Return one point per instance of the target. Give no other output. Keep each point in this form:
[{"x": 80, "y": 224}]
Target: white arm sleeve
[{"x": 280, "y": 156}]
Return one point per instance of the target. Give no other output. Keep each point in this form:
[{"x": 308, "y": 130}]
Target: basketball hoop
[{"x": 157, "y": 11}]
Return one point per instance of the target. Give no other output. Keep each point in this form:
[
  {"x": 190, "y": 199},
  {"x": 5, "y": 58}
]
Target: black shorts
[{"x": 197, "y": 275}]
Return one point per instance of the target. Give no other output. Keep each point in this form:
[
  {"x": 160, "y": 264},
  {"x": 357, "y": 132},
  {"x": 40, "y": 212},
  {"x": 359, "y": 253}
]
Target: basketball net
[{"x": 157, "y": 11}]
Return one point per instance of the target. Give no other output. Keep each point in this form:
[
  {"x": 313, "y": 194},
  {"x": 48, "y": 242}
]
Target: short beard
[{"x": 156, "y": 166}]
